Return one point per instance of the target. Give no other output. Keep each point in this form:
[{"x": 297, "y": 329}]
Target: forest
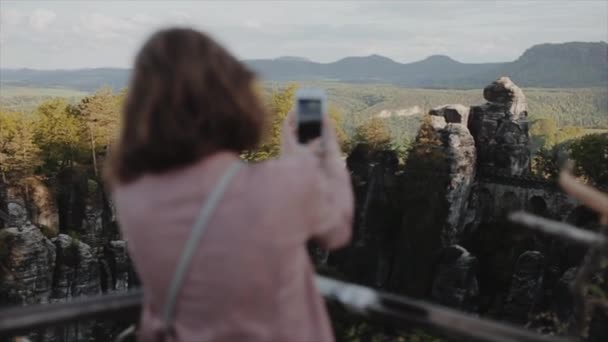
[
  {"x": 50, "y": 132},
  {"x": 43, "y": 131}
]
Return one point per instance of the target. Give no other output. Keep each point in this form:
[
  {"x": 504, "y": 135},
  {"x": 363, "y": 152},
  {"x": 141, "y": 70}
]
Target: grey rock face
[
  {"x": 76, "y": 274},
  {"x": 526, "y": 286},
  {"x": 503, "y": 91},
  {"x": 373, "y": 178},
  {"x": 564, "y": 300},
  {"x": 42, "y": 206},
  {"x": 77, "y": 271},
  {"x": 500, "y": 129},
  {"x": 92, "y": 228},
  {"x": 437, "y": 122},
  {"x": 117, "y": 254},
  {"x": 455, "y": 282},
  {"x": 461, "y": 155},
  {"x": 32, "y": 200},
  {"x": 27, "y": 259},
  {"x": 456, "y": 147},
  {"x": 455, "y": 113},
  {"x": 17, "y": 214}
]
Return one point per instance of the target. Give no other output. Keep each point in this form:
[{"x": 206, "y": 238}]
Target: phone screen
[{"x": 309, "y": 119}]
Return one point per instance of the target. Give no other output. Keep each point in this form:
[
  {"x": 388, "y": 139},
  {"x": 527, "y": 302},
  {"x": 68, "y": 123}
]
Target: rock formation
[
  {"x": 76, "y": 273},
  {"x": 31, "y": 200},
  {"x": 563, "y": 304},
  {"x": 461, "y": 153},
  {"x": 500, "y": 129},
  {"x": 452, "y": 113},
  {"x": 526, "y": 286},
  {"x": 455, "y": 281},
  {"x": 120, "y": 265},
  {"x": 58, "y": 245},
  {"x": 27, "y": 259},
  {"x": 436, "y": 228},
  {"x": 504, "y": 92}
]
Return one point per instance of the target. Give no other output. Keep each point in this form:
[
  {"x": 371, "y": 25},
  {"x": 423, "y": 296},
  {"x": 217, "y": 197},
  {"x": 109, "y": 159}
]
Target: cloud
[
  {"x": 71, "y": 34},
  {"x": 10, "y": 18},
  {"x": 103, "y": 26},
  {"x": 41, "y": 18}
]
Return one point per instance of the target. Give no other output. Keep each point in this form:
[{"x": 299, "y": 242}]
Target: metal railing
[{"x": 395, "y": 310}]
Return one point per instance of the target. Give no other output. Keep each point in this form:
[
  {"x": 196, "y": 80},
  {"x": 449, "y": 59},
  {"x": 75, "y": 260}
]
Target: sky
[{"x": 82, "y": 34}]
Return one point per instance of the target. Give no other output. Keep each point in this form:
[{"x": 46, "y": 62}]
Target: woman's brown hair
[{"x": 188, "y": 98}]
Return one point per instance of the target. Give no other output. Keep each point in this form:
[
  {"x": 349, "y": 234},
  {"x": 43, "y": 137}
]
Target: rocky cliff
[
  {"x": 436, "y": 228},
  {"x": 500, "y": 129},
  {"x": 56, "y": 244}
]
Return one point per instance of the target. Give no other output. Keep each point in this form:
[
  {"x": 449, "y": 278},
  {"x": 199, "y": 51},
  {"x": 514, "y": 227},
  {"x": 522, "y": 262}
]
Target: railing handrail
[{"x": 396, "y": 309}]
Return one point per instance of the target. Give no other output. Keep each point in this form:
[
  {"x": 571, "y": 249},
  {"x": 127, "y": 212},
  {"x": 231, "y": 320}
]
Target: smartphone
[{"x": 310, "y": 108}]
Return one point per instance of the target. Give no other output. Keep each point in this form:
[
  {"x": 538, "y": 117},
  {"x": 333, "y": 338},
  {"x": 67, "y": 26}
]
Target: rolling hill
[{"x": 566, "y": 65}]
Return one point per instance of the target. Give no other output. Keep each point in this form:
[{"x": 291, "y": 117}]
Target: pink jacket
[{"x": 251, "y": 278}]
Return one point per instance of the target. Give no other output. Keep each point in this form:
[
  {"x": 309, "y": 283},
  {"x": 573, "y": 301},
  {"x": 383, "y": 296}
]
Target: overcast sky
[{"x": 77, "y": 34}]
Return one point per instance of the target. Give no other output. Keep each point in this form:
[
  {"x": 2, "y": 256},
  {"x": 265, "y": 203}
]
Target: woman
[{"x": 190, "y": 110}]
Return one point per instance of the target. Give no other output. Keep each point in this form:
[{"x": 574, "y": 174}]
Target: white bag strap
[{"x": 193, "y": 242}]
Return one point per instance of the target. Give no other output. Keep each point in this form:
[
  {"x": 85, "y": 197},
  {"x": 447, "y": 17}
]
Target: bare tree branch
[
  {"x": 587, "y": 195},
  {"x": 560, "y": 229},
  {"x": 597, "y": 201}
]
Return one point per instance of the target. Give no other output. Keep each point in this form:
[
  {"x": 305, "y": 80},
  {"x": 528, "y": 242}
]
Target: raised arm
[{"x": 333, "y": 205}]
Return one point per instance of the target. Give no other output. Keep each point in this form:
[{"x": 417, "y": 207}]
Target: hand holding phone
[{"x": 310, "y": 109}]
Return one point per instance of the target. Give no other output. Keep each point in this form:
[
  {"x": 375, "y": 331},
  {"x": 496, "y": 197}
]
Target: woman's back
[
  {"x": 251, "y": 277},
  {"x": 191, "y": 108}
]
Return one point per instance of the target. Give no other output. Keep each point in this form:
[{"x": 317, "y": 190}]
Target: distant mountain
[
  {"x": 575, "y": 64},
  {"x": 78, "y": 79},
  {"x": 562, "y": 65},
  {"x": 293, "y": 59}
]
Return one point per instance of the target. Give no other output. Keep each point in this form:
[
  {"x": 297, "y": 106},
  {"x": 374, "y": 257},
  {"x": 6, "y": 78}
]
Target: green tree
[
  {"x": 337, "y": 118},
  {"x": 590, "y": 154},
  {"x": 426, "y": 152},
  {"x": 543, "y": 133},
  {"x": 546, "y": 163},
  {"x": 568, "y": 133},
  {"x": 57, "y": 134},
  {"x": 100, "y": 114},
  {"x": 19, "y": 155},
  {"x": 279, "y": 104},
  {"x": 373, "y": 133}
]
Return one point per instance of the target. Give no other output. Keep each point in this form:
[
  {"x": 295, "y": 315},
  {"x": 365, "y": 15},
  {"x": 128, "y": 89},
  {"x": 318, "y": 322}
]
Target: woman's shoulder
[
  {"x": 293, "y": 176},
  {"x": 288, "y": 169}
]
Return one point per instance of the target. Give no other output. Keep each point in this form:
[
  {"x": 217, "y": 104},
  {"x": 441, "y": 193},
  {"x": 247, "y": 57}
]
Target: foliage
[
  {"x": 58, "y": 134},
  {"x": 18, "y": 153},
  {"x": 280, "y": 102},
  {"x": 590, "y": 154},
  {"x": 100, "y": 116},
  {"x": 426, "y": 152},
  {"x": 546, "y": 163},
  {"x": 374, "y": 133},
  {"x": 545, "y": 133},
  {"x": 337, "y": 119},
  {"x": 583, "y": 108},
  {"x": 28, "y": 98}
]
